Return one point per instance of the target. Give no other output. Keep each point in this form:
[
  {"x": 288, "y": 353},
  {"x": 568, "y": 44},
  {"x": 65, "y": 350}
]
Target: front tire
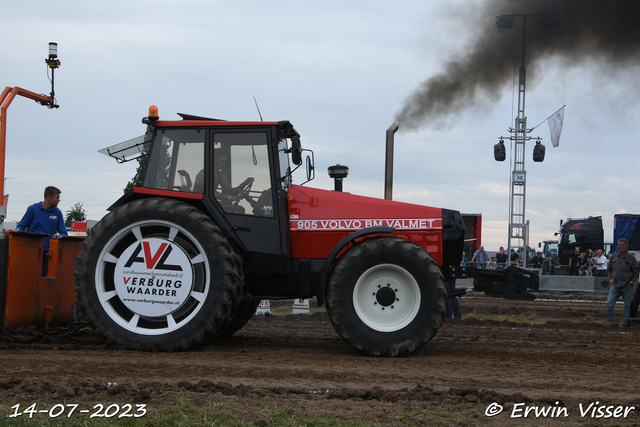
[
  {"x": 386, "y": 296},
  {"x": 158, "y": 275}
]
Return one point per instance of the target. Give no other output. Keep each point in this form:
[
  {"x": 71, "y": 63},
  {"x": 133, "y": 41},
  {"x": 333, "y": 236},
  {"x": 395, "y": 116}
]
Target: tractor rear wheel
[
  {"x": 245, "y": 312},
  {"x": 158, "y": 275},
  {"x": 386, "y": 296}
]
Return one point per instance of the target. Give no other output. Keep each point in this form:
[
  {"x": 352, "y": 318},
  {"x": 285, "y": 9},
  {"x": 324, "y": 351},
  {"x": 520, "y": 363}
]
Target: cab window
[
  {"x": 242, "y": 178},
  {"x": 176, "y": 160}
]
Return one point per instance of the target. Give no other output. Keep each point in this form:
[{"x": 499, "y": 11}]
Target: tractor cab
[{"x": 238, "y": 172}]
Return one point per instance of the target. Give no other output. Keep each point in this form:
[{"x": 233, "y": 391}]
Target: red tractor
[{"x": 218, "y": 226}]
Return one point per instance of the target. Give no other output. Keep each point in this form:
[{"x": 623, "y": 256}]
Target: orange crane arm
[{"x": 8, "y": 94}]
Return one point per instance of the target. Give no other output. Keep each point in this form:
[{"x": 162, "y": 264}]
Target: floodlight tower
[{"x": 518, "y": 237}]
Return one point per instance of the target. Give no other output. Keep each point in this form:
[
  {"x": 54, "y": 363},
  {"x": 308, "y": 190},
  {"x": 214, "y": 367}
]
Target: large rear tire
[
  {"x": 386, "y": 296},
  {"x": 245, "y": 312},
  {"x": 158, "y": 275}
]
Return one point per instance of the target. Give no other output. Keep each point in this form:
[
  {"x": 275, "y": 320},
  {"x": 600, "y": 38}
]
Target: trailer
[{"x": 627, "y": 226}]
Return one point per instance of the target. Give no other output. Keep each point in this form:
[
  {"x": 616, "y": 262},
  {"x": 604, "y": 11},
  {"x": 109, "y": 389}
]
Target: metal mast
[
  {"x": 517, "y": 221},
  {"x": 518, "y": 237}
]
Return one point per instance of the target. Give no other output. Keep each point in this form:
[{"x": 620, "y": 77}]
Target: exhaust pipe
[
  {"x": 388, "y": 168},
  {"x": 338, "y": 173}
]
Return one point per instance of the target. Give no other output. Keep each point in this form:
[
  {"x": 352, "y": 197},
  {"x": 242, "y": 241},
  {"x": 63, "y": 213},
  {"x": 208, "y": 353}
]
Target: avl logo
[{"x": 154, "y": 261}]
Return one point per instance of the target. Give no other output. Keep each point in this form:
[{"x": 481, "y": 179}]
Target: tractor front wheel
[{"x": 386, "y": 296}]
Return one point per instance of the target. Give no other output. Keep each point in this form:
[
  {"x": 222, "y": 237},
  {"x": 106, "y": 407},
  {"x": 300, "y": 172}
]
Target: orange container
[{"x": 35, "y": 300}]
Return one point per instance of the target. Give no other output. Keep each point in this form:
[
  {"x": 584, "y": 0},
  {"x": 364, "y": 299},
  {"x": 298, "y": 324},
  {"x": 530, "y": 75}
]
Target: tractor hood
[
  {"x": 318, "y": 219},
  {"x": 312, "y": 209}
]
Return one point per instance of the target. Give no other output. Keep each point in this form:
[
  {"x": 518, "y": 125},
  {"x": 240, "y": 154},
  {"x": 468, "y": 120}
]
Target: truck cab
[{"x": 585, "y": 233}]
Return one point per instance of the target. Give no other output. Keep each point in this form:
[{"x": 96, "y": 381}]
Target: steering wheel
[
  {"x": 244, "y": 193},
  {"x": 185, "y": 181}
]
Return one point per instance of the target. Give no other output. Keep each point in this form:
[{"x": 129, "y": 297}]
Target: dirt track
[{"x": 300, "y": 362}]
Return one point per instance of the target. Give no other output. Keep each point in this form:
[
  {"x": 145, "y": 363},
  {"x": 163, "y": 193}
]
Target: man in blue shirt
[
  {"x": 480, "y": 257},
  {"x": 46, "y": 218}
]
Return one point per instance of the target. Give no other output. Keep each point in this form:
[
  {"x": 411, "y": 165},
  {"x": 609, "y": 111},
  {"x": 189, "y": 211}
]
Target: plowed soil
[{"x": 575, "y": 369}]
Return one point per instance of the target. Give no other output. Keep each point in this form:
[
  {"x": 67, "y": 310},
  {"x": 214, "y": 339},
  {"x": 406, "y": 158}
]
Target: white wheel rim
[
  {"x": 386, "y": 298},
  {"x": 153, "y": 321}
]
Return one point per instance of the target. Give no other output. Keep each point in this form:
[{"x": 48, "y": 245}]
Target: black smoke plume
[{"x": 605, "y": 31}]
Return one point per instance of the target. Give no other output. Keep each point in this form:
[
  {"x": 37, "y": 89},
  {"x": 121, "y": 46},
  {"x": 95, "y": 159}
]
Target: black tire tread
[
  {"x": 245, "y": 312},
  {"x": 370, "y": 252},
  {"x": 229, "y": 288}
]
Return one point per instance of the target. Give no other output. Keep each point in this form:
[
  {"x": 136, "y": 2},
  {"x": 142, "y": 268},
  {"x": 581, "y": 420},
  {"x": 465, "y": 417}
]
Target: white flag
[{"x": 555, "y": 126}]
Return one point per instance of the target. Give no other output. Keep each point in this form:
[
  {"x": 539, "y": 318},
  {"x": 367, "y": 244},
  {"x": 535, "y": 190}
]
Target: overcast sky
[{"x": 340, "y": 72}]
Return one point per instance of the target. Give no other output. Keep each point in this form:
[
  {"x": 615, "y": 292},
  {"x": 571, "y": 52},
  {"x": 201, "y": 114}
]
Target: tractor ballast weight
[
  {"x": 218, "y": 226},
  {"x": 510, "y": 283}
]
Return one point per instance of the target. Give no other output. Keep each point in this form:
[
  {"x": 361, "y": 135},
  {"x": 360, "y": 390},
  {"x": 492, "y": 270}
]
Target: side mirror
[
  {"x": 296, "y": 151},
  {"x": 311, "y": 169}
]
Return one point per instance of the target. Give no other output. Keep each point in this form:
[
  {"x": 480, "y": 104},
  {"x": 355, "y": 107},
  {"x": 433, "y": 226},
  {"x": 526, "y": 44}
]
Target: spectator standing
[
  {"x": 465, "y": 261},
  {"x": 501, "y": 258},
  {"x": 635, "y": 302},
  {"x": 573, "y": 262},
  {"x": 514, "y": 258},
  {"x": 453, "y": 308},
  {"x": 480, "y": 257},
  {"x": 622, "y": 272},
  {"x": 538, "y": 261},
  {"x": 583, "y": 264},
  {"x": 548, "y": 266},
  {"x": 601, "y": 263},
  {"x": 592, "y": 262}
]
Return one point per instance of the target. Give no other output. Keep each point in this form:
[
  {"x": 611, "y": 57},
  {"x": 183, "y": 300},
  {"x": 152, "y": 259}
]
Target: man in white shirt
[{"x": 601, "y": 264}]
